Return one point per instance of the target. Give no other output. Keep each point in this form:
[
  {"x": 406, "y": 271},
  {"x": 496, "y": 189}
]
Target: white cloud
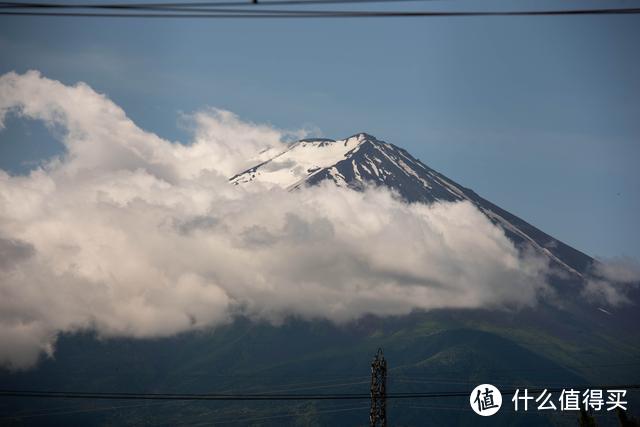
[
  {"x": 611, "y": 280},
  {"x": 233, "y": 145},
  {"x": 132, "y": 235}
]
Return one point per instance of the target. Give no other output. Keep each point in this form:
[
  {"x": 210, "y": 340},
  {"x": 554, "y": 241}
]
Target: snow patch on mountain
[{"x": 300, "y": 161}]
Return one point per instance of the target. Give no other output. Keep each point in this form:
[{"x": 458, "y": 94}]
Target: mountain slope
[
  {"x": 561, "y": 344},
  {"x": 364, "y": 160}
]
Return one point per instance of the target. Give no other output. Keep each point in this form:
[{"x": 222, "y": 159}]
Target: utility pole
[{"x": 378, "y": 412}]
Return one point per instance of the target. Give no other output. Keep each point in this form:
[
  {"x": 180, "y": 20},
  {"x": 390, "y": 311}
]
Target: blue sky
[{"x": 539, "y": 115}]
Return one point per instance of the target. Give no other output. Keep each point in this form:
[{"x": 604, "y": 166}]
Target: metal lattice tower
[{"x": 378, "y": 412}]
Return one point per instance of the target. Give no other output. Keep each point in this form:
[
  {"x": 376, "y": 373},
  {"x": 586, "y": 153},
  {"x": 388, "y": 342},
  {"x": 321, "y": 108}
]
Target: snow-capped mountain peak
[
  {"x": 362, "y": 159},
  {"x": 301, "y": 160}
]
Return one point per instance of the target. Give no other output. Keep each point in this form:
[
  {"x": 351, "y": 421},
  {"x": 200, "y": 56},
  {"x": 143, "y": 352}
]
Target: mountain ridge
[{"x": 362, "y": 159}]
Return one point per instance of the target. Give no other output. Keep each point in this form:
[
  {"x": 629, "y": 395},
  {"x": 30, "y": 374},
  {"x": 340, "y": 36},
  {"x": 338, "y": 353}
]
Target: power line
[
  {"x": 568, "y": 414},
  {"x": 409, "y": 371},
  {"x": 201, "y": 4},
  {"x": 49, "y": 413},
  {"x": 187, "y": 9},
  {"x": 272, "y": 396},
  {"x": 286, "y": 14}
]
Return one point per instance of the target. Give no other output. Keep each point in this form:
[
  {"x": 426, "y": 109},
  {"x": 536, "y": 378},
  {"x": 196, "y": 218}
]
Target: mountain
[
  {"x": 564, "y": 343},
  {"x": 362, "y": 160}
]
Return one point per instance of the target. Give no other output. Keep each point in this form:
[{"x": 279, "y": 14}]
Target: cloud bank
[
  {"x": 611, "y": 280},
  {"x": 131, "y": 235}
]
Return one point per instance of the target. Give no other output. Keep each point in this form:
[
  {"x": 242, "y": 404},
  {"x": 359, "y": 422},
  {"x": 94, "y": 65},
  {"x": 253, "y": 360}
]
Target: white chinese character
[
  {"x": 546, "y": 403},
  {"x": 570, "y": 400},
  {"x": 593, "y": 399},
  {"x": 614, "y": 400},
  {"x": 526, "y": 398}
]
